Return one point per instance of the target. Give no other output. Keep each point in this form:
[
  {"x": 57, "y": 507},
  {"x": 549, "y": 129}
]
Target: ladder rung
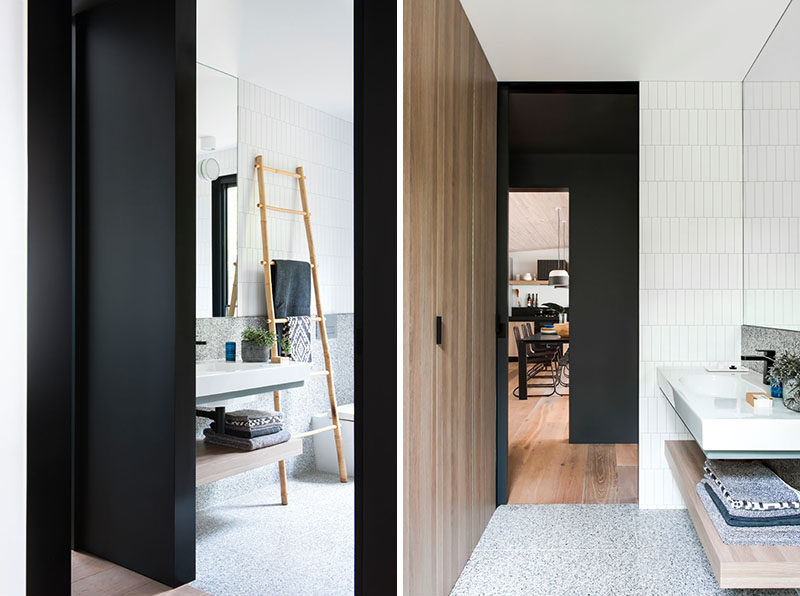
[
  {"x": 320, "y": 373},
  {"x": 284, "y": 172},
  {"x": 273, "y": 262},
  {"x": 316, "y": 431},
  {"x": 282, "y": 210},
  {"x": 287, "y": 320}
]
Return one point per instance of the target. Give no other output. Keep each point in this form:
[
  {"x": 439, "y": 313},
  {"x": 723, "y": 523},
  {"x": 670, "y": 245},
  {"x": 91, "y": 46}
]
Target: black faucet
[{"x": 768, "y": 359}]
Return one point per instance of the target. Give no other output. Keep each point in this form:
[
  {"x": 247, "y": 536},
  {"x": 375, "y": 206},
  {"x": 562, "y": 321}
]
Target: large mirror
[
  {"x": 771, "y": 174},
  {"x": 217, "y": 193}
]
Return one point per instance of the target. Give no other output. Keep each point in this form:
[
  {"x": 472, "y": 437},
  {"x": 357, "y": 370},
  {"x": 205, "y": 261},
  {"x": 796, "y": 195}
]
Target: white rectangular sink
[
  {"x": 218, "y": 380},
  {"x": 713, "y": 408}
]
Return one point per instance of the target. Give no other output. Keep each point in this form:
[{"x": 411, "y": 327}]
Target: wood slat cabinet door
[
  {"x": 454, "y": 195},
  {"x": 449, "y": 127},
  {"x": 422, "y": 547}
]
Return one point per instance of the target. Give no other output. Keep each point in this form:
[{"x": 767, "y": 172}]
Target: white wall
[
  {"x": 546, "y": 294},
  {"x": 690, "y": 215},
  {"x": 524, "y": 261},
  {"x": 772, "y": 202},
  {"x": 290, "y": 134},
  {"x": 13, "y": 300}
]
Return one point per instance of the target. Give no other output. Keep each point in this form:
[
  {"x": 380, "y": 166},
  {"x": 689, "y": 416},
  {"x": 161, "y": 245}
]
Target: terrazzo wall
[
  {"x": 690, "y": 306},
  {"x": 767, "y": 338},
  {"x": 299, "y": 404}
]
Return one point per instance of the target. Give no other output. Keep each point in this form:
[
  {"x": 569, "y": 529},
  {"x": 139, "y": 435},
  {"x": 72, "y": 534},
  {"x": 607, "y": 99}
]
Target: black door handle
[{"x": 438, "y": 330}]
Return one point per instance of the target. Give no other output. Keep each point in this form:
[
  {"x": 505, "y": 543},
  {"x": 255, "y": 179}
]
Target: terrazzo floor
[
  {"x": 583, "y": 550},
  {"x": 253, "y": 546}
]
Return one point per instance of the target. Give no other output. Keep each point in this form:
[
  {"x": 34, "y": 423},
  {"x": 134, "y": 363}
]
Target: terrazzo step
[
  {"x": 215, "y": 462},
  {"x": 733, "y": 566}
]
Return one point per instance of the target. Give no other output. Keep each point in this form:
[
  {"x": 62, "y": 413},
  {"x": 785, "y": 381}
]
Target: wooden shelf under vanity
[
  {"x": 528, "y": 282},
  {"x": 733, "y": 566},
  {"x": 214, "y": 462}
]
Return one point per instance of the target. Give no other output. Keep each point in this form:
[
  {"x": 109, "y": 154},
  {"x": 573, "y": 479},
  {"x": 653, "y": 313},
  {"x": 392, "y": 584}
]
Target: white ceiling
[
  {"x": 780, "y": 58},
  {"x": 622, "y": 40},
  {"x": 302, "y": 49},
  {"x": 533, "y": 220}
]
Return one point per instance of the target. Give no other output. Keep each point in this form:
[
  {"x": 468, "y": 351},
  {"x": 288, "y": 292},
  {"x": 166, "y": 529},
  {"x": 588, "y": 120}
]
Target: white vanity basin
[
  {"x": 218, "y": 380},
  {"x": 713, "y": 408}
]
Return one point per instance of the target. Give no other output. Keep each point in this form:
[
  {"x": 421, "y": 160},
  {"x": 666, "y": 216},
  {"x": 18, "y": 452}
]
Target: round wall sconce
[{"x": 208, "y": 169}]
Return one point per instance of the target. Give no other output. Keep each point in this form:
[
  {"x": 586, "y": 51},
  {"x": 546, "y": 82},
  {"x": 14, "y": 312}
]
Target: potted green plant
[
  {"x": 256, "y": 344},
  {"x": 786, "y": 369},
  {"x": 563, "y": 311}
]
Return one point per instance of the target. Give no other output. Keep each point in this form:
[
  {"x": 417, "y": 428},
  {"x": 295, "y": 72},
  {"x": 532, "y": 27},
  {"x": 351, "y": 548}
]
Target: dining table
[{"x": 522, "y": 362}]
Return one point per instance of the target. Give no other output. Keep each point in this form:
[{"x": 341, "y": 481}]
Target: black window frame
[{"x": 219, "y": 243}]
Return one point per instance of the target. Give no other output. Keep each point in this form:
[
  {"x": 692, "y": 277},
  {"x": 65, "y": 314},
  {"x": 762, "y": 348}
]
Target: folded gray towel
[
  {"x": 247, "y": 444},
  {"x": 787, "y": 469},
  {"x": 253, "y": 418},
  {"x": 749, "y": 514},
  {"x": 771, "y": 536},
  {"x": 751, "y": 485},
  {"x": 249, "y": 433},
  {"x": 787, "y": 519}
]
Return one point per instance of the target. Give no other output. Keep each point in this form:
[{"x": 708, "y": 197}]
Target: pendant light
[{"x": 559, "y": 277}]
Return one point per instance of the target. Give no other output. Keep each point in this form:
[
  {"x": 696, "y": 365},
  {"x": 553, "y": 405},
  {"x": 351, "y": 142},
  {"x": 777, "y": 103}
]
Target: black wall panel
[
  {"x": 375, "y": 142},
  {"x": 49, "y": 298},
  {"x": 135, "y": 154},
  {"x": 604, "y": 286}
]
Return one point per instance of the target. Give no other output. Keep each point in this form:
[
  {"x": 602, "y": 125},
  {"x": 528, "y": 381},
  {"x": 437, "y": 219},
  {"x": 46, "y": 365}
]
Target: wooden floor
[
  {"x": 544, "y": 468},
  {"x": 92, "y": 576}
]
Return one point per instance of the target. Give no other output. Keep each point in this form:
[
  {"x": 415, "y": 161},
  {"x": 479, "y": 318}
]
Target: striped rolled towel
[{"x": 751, "y": 485}]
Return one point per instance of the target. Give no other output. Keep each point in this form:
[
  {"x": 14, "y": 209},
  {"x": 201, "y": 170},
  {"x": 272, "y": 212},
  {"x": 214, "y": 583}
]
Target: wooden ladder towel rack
[{"x": 272, "y": 321}]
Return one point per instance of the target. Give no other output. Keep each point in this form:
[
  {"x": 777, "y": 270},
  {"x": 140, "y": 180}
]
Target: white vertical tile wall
[
  {"x": 771, "y": 112},
  {"x": 690, "y": 252},
  {"x": 290, "y": 134},
  {"x": 227, "y": 165}
]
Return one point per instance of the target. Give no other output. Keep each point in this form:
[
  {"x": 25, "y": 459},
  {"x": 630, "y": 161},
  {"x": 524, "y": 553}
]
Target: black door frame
[
  {"x": 503, "y": 188},
  {"x": 52, "y": 250}
]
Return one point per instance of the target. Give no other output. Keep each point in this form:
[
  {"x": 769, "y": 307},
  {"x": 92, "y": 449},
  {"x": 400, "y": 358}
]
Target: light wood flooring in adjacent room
[
  {"x": 92, "y": 576},
  {"x": 543, "y": 467}
]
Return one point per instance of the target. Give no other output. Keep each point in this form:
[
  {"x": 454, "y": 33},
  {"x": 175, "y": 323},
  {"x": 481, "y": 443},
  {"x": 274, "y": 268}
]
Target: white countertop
[
  {"x": 218, "y": 380},
  {"x": 713, "y": 408}
]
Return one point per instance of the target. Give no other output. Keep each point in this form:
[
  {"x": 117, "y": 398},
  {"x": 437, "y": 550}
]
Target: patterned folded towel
[
  {"x": 733, "y": 516},
  {"x": 249, "y": 433},
  {"x": 246, "y": 444},
  {"x": 751, "y": 485},
  {"x": 252, "y": 418},
  {"x": 758, "y": 520},
  {"x": 766, "y": 536}
]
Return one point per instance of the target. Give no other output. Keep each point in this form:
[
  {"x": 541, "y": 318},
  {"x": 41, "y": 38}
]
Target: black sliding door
[{"x": 135, "y": 185}]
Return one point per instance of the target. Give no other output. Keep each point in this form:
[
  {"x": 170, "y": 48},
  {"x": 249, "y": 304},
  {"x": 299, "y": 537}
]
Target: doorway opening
[{"x": 568, "y": 290}]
